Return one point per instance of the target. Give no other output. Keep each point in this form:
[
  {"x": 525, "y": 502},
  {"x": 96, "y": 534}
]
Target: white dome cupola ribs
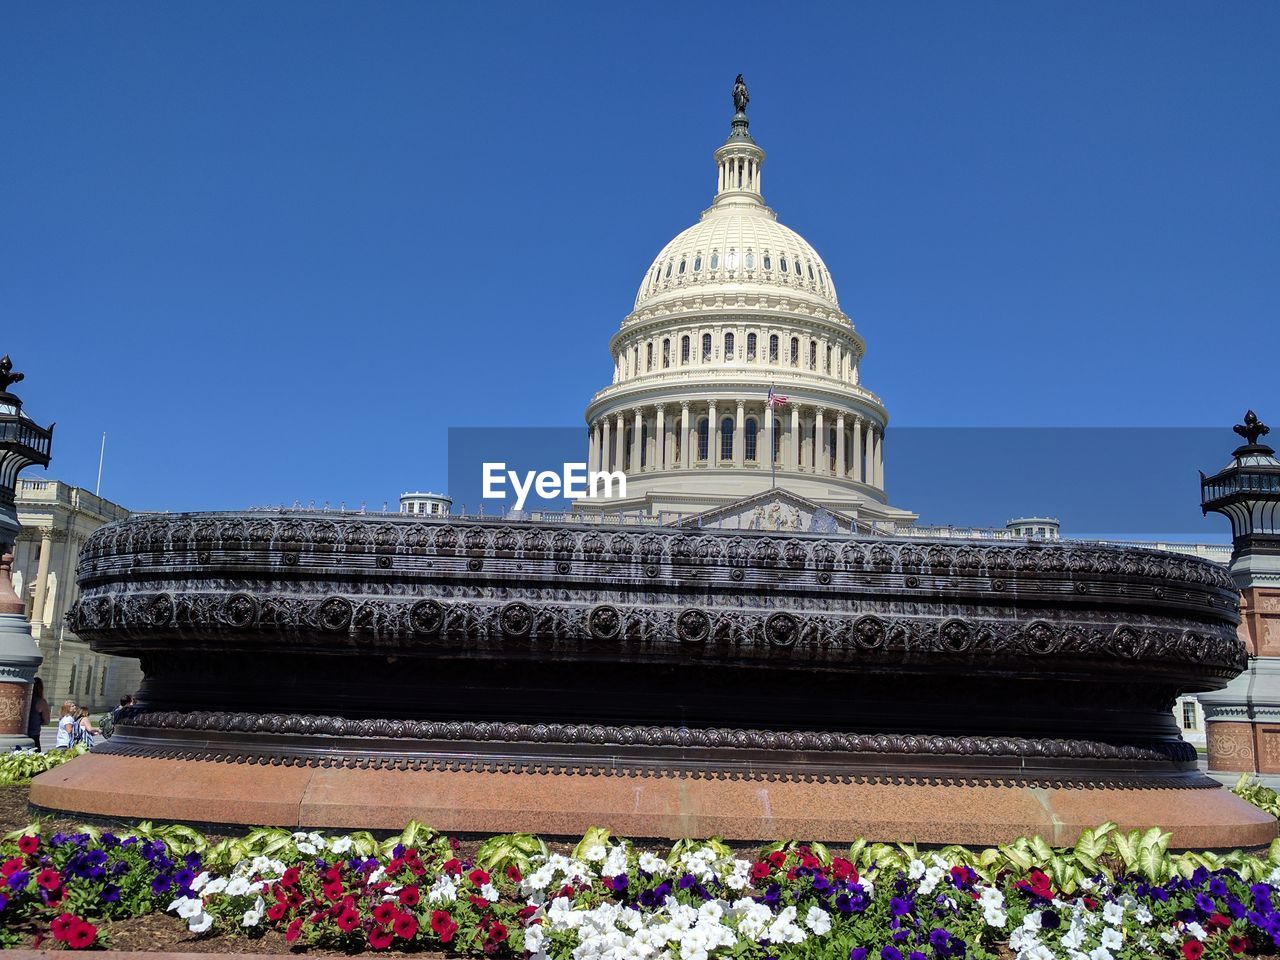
[{"x": 738, "y": 165}]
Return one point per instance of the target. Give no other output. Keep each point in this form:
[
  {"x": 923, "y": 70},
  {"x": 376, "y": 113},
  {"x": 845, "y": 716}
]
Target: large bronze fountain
[{"x": 344, "y": 670}]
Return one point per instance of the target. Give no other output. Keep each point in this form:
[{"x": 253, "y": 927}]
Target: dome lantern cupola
[{"x": 738, "y": 162}]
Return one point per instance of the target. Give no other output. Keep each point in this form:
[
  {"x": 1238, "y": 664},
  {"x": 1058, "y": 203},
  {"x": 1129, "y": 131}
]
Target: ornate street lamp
[
  {"x": 1242, "y": 721},
  {"x": 22, "y": 443}
]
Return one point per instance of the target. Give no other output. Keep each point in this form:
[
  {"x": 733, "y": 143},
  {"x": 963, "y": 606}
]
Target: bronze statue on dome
[{"x": 740, "y": 96}]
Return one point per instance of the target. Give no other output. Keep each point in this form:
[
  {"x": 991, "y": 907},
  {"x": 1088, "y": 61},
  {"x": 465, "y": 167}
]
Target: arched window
[
  {"x": 813, "y": 354},
  {"x": 648, "y": 356},
  {"x": 777, "y": 440},
  {"x": 827, "y": 368},
  {"x": 749, "y": 439},
  {"x": 644, "y": 444},
  {"x": 773, "y": 348},
  {"x": 703, "y": 439},
  {"x": 697, "y": 262},
  {"x": 675, "y": 444},
  {"x": 750, "y": 261},
  {"x": 684, "y": 349},
  {"x": 681, "y": 265},
  {"x": 726, "y": 438},
  {"x": 810, "y": 266},
  {"x": 728, "y": 347},
  {"x": 706, "y": 346},
  {"x": 666, "y": 353},
  {"x": 668, "y": 274},
  {"x": 795, "y": 351},
  {"x": 768, "y": 264},
  {"x": 782, "y": 262},
  {"x": 715, "y": 260},
  {"x": 751, "y": 346},
  {"x": 831, "y": 448},
  {"x": 731, "y": 261}
]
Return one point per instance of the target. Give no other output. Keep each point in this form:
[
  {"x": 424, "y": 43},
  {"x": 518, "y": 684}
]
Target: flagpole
[{"x": 102, "y": 453}]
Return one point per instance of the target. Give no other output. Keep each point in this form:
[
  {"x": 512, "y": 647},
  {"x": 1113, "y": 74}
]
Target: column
[
  {"x": 687, "y": 433},
  {"x": 857, "y": 449},
  {"x": 660, "y": 440},
  {"x": 619, "y": 445},
  {"x": 593, "y": 446},
  {"x": 793, "y": 454},
  {"x": 880, "y": 460},
  {"x": 873, "y": 455},
  {"x": 636, "y": 436},
  {"x": 606, "y": 451},
  {"x": 713, "y": 434},
  {"x": 739, "y": 440},
  {"x": 842, "y": 469},
  {"x": 821, "y": 458},
  {"x": 42, "y": 576}
]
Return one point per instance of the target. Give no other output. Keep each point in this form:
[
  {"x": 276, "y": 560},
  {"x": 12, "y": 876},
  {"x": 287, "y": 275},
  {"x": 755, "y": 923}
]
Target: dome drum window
[
  {"x": 697, "y": 263},
  {"x": 731, "y": 261},
  {"x": 726, "y": 439},
  {"x": 749, "y": 261},
  {"x": 750, "y": 434},
  {"x": 684, "y": 349},
  {"x": 768, "y": 264},
  {"x": 681, "y": 271},
  {"x": 669, "y": 265},
  {"x": 715, "y": 260},
  {"x": 728, "y": 347},
  {"x": 773, "y": 348},
  {"x": 706, "y": 347},
  {"x": 782, "y": 263},
  {"x": 751, "y": 346}
]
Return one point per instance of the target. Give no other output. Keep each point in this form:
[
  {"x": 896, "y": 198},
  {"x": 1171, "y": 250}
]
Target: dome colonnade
[{"x": 736, "y": 306}]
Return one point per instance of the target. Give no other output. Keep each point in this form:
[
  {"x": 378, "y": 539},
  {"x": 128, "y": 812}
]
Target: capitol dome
[{"x": 736, "y": 372}]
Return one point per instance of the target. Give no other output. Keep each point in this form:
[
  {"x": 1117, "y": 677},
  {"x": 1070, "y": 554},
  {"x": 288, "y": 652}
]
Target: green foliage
[
  {"x": 23, "y": 765},
  {"x": 1264, "y": 798},
  {"x": 594, "y": 837},
  {"x": 508, "y": 849}
]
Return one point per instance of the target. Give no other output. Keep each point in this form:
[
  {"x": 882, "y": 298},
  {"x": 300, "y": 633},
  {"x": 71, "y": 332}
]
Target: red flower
[
  {"x": 81, "y": 935},
  {"x": 1237, "y": 944},
  {"x": 777, "y": 858},
  {"x": 478, "y": 877},
  {"x": 760, "y": 870},
  {"x": 291, "y": 876},
  {"x": 416, "y": 868},
  {"x": 276, "y": 911},
  {"x": 409, "y": 896},
  {"x": 443, "y": 926},
  {"x": 810, "y": 861},
  {"x": 28, "y": 844},
  {"x": 1089, "y": 902},
  {"x": 513, "y": 874},
  {"x": 333, "y": 891},
  {"x": 348, "y": 919},
  {"x": 384, "y": 912},
  {"x": 49, "y": 879},
  {"x": 1218, "y": 922},
  {"x": 294, "y": 931},
  {"x": 525, "y": 913},
  {"x": 480, "y": 903},
  {"x": 453, "y": 867},
  {"x": 842, "y": 870},
  {"x": 379, "y": 938},
  {"x": 1193, "y": 949},
  {"x": 497, "y": 933},
  {"x": 11, "y": 867},
  {"x": 405, "y": 926},
  {"x": 1038, "y": 882},
  {"x": 61, "y": 926}
]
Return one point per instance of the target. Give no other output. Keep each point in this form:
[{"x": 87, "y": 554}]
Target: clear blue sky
[{"x": 275, "y": 250}]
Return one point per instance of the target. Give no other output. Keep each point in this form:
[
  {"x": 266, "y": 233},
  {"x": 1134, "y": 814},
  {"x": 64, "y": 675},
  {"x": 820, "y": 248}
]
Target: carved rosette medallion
[{"x": 604, "y": 622}]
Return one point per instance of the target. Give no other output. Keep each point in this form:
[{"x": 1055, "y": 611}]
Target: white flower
[
  {"x": 217, "y": 885},
  {"x": 489, "y": 893},
  {"x": 595, "y": 853},
  {"x": 187, "y": 907},
  {"x": 995, "y": 917},
  {"x": 238, "y": 887},
  {"x": 1142, "y": 915},
  {"x": 442, "y": 891},
  {"x": 1100, "y": 953},
  {"x": 341, "y": 845},
  {"x": 198, "y": 883},
  {"x": 818, "y": 920},
  {"x": 308, "y": 848},
  {"x": 654, "y": 866},
  {"x": 1073, "y": 939},
  {"x": 533, "y": 937},
  {"x": 1197, "y": 931},
  {"x": 201, "y": 923},
  {"x": 1113, "y": 913},
  {"x": 1112, "y": 939},
  {"x": 915, "y": 869},
  {"x": 251, "y": 918}
]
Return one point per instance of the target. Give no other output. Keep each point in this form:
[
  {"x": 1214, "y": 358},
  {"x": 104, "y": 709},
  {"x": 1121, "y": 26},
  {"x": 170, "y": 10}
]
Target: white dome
[{"x": 742, "y": 246}]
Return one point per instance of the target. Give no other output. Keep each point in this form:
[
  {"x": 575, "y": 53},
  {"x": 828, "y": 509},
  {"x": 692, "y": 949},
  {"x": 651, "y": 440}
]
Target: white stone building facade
[
  {"x": 734, "y": 310},
  {"x": 56, "y": 519}
]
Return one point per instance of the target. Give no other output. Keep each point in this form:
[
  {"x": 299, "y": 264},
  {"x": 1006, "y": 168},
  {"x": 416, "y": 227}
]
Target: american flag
[{"x": 775, "y": 399}]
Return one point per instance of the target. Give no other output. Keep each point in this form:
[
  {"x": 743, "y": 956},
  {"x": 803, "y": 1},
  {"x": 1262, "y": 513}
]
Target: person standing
[
  {"x": 85, "y": 731},
  {"x": 39, "y": 714},
  {"x": 67, "y": 725}
]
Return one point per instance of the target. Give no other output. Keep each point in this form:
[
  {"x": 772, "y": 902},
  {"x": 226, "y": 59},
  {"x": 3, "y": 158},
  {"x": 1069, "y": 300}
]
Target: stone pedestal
[
  {"x": 19, "y": 658},
  {"x": 1242, "y": 721}
]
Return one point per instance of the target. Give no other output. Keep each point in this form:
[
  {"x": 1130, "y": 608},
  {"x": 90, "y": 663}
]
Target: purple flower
[
  {"x": 1050, "y": 920},
  {"x": 890, "y": 953},
  {"x": 858, "y": 953},
  {"x": 18, "y": 879},
  {"x": 161, "y": 883},
  {"x": 620, "y": 882},
  {"x": 822, "y": 886},
  {"x": 184, "y": 878},
  {"x": 1205, "y": 903},
  {"x": 899, "y": 906},
  {"x": 939, "y": 938},
  {"x": 110, "y": 893},
  {"x": 1217, "y": 887},
  {"x": 4, "y": 901},
  {"x": 916, "y": 955},
  {"x": 687, "y": 881}
]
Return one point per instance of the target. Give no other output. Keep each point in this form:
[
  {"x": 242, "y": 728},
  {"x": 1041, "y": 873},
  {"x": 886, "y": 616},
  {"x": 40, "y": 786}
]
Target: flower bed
[
  {"x": 1112, "y": 895},
  {"x": 22, "y": 765}
]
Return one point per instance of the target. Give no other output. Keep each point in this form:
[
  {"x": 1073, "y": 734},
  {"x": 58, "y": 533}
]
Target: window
[
  {"x": 706, "y": 346},
  {"x": 88, "y": 680},
  {"x": 631, "y": 435},
  {"x": 668, "y": 274},
  {"x": 715, "y": 261},
  {"x": 644, "y": 444},
  {"x": 726, "y": 438},
  {"x": 684, "y": 349},
  {"x": 828, "y": 366},
  {"x": 831, "y": 447},
  {"x": 702, "y": 438},
  {"x": 813, "y": 354},
  {"x": 773, "y": 348},
  {"x": 810, "y": 272},
  {"x": 648, "y": 356},
  {"x": 728, "y": 347},
  {"x": 795, "y": 351},
  {"x": 749, "y": 439},
  {"x": 697, "y": 263},
  {"x": 750, "y": 261},
  {"x": 777, "y": 440},
  {"x": 768, "y": 264},
  {"x": 681, "y": 265},
  {"x": 666, "y": 353},
  {"x": 71, "y": 686},
  {"x": 732, "y": 260},
  {"x": 102, "y": 682},
  {"x": 751, "y": 346},
  {"x": 1188, "y": 715},
  {"x": 782, "y": 262}
]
